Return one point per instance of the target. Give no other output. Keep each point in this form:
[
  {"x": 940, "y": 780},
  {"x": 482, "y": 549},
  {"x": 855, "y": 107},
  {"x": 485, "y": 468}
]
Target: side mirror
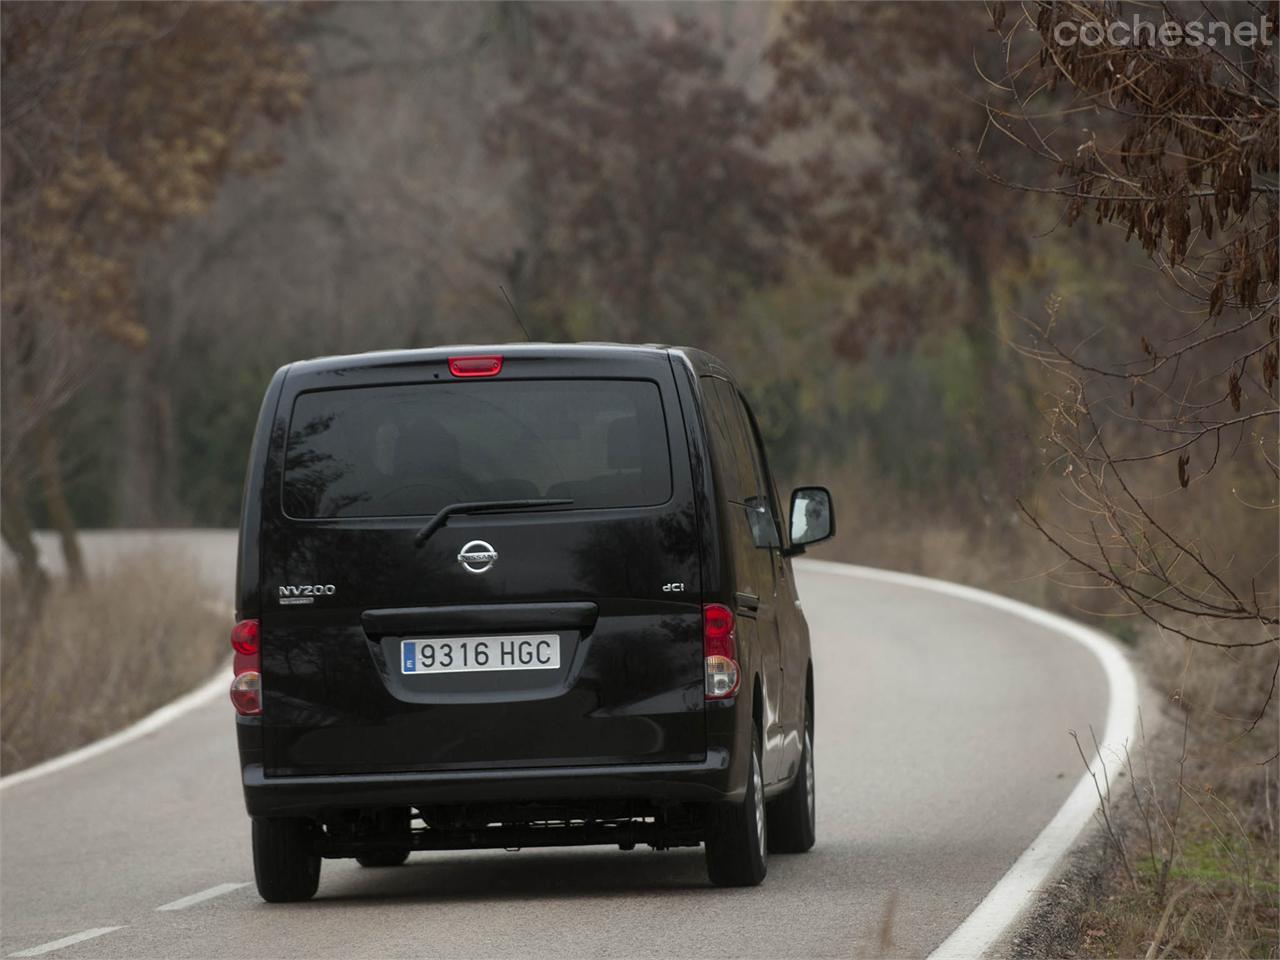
[{"x": 812, "y": 518}]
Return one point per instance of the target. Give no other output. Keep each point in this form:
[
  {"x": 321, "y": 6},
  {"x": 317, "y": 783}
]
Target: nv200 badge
[{"x": 293, "y": 596}]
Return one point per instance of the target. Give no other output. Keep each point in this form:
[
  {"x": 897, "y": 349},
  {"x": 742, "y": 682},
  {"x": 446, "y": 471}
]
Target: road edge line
[
  {"x": 1015, "y": 891},
  {"x": 193, "y": 699}
]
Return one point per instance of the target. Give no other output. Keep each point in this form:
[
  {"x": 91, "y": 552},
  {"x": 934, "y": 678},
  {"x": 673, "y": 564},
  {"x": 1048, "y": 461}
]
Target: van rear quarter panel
[
  {"x": 629, "y": 688},
  {"x": 732, "y": 719}
]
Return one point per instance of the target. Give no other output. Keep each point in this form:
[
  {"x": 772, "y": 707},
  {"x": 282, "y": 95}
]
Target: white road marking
[
  {"x": 1016, "y": 889},
  {"x": 217, "y": 684},
  {"x": 64, "y": 942},
  {"x": 203, "y": 895}
]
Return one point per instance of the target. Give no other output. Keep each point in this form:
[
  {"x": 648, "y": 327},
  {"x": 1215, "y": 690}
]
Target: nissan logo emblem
[{"x": 477, "y": 556}]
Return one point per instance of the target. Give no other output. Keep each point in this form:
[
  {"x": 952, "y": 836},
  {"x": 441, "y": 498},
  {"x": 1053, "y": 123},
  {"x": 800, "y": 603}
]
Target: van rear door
[{"x": 558, "y": 635}]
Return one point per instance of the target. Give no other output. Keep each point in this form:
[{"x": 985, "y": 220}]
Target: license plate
[{"x": 470, "y": 654}]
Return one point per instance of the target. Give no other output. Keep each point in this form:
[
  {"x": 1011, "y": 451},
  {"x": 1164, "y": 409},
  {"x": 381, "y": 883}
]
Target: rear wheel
[
  {"x": 793, "y": 816},
  {"x": 383, "y": 858},
  {"x": 736, "y": 842},
  {"x": 285, "y": 864}
]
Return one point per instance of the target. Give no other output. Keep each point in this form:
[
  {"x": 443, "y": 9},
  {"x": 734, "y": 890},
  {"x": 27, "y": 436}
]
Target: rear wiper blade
[{"x": 479, "y": 506}]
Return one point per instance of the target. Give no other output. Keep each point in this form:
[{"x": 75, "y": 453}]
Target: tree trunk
[
  {"x": 147, "y": 492},
  {"x": 55, "y": 501},
  {"x": 135, "y": 498},
  {"x": 15, "y": 528},
  {"x": 168, "y": 509}
]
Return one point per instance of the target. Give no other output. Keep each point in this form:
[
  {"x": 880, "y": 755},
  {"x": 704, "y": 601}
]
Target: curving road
[{"x": 942, "y": 754}]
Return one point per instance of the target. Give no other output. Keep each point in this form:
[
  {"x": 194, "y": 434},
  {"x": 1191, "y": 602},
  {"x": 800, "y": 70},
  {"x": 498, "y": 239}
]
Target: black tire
[
  {"x": 383, "y": 858},
  {"x": 736, "y": 833},
  {"x": 285, "y": 864},
  {"x": 793, "y": 816}
]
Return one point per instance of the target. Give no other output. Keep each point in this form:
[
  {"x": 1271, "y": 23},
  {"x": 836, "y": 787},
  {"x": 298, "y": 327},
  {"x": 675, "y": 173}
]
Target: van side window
[
  {"x": 764, "y": 520},
  {"x": 768, "y": 489},
  {"x": 727, "y": 447},
  {"x": 738, "y": 457},
  {"x": 747, "y": 485}
]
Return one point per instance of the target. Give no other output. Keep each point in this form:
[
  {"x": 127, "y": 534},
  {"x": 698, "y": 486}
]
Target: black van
[{"x": 518, "y": 596}]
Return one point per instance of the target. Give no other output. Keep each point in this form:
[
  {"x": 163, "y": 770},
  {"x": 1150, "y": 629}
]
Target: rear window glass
[{"x": 410, "y": 450}]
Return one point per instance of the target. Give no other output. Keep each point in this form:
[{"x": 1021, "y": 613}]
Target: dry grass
[
  {"x": 1198, "y": 825},
  {"x": 93, "y": 660}
]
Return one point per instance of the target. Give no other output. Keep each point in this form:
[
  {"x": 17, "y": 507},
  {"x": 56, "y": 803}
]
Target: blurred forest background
[
  {"x": 1013, "y": 299},
  {"x": 823, "y": 195},
  {"x": 196, "y": 195}
]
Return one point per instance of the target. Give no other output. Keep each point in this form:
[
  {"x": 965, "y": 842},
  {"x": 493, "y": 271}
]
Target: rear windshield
[{"x": 410, "y": 450}]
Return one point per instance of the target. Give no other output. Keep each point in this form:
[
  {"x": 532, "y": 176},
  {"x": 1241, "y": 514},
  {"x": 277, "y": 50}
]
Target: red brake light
[
  {"x": 717, "y": 630},
  {"x": 720, "y": 653},
  {"x": 475, "y": 366},
  {"x": 246, "y": 637}
]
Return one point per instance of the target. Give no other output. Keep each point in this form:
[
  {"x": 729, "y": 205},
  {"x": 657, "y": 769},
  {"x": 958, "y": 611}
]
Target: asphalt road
[{"x": 942, "y": 751}]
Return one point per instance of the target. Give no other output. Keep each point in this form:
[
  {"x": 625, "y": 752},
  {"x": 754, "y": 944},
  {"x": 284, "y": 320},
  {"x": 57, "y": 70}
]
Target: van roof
[{"x": 586, "y": 351}]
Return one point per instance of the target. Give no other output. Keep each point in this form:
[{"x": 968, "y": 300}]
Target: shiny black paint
[{"x": 340, "y": 724}]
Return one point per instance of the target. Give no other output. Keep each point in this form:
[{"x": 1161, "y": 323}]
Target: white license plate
[{"x": 539, "y": 651}]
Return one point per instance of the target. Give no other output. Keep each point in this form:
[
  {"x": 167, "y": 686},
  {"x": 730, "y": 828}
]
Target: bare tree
[
  {"x": 1170, "y": 450},
  {"x": 116, "y": 120}
]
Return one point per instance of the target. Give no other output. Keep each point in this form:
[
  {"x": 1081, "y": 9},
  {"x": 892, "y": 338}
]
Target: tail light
[
  {"x": 246, "y": 688},
  {"x": 246, "y": 693},
  {"x": 720, "y": 652},
  {"x": 246, "y": 636},
  {"x": 475, "y": 366}
]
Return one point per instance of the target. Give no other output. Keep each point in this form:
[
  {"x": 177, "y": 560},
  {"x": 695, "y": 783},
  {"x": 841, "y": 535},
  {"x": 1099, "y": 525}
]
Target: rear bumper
[
  {"x": 721, "y": 776},
  {"x": 708, "y": 781}
]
